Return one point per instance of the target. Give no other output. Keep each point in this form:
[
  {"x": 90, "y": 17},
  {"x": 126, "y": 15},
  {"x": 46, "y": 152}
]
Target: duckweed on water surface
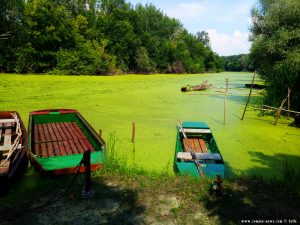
[{"x": 155, "y": 103}]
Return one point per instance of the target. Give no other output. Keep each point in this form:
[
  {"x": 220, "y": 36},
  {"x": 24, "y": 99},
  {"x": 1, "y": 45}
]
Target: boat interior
[
  {"x": 59, "y": 139},
  {"x": 8, "y": 135}
]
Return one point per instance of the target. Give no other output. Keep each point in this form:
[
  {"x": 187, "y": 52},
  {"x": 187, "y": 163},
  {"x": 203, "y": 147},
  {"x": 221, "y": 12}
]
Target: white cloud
[
  {"x": 225, "y": 44},
  {"x": 187, "y": 11}
]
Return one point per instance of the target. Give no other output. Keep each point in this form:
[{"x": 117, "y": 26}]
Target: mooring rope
[{"x": 16, "y": 141}]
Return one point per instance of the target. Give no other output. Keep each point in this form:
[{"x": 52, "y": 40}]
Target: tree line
[
  {"x": 241, "y": 62},
  {"x": 275, "y": 48},
  {"x": 98, "y": 37}
]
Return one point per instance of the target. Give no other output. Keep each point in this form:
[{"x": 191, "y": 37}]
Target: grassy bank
[
  {"x": 138, "y": 199},
  {"x": 155, "y": 103}
]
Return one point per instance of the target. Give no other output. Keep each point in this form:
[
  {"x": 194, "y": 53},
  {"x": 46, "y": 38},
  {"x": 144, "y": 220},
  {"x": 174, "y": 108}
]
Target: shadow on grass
[
  {"x": 254, "y": 198},
  {"x": 57, "y": 200}
]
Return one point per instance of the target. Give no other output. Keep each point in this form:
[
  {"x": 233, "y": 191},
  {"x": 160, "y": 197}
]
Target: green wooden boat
[
  {"x": 196, "y": 152},
  {"x": 57, "y": 140}
]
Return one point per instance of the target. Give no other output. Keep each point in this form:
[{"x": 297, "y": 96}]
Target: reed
[{"x": 291, "y": 173}]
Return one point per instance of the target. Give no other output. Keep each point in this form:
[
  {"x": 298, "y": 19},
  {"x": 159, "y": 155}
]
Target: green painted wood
[
  {"x": 68, "y": 161},
  {"x": 55, "y": 162},
  {"x": 209, "y": 165},
  {"x": 199, "y": 125}
]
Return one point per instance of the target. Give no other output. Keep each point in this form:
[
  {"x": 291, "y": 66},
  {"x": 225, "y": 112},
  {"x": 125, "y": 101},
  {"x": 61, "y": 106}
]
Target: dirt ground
[
  {"x": 114, "y": 202},
  {"x": 141, "y": 200}
]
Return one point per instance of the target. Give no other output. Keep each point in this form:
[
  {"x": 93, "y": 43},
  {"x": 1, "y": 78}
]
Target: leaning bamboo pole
[
  {"x": 281, "y": 107},
  {"x": 249, "y": 95}
]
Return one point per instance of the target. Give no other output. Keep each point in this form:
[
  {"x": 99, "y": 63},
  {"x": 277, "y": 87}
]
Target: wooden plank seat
[
  {"x": 59, "y": 139},
  {"x": 203, "y": 146},
  {"x": 6, "y": 141},
  {"x": 196, "y": 144}
]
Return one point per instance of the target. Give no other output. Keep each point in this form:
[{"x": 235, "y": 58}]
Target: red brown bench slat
[
  {"x": 36, "y": 135},
  {"x": 41, "y": 133},
  {"x": 73, "y": 147},
  {"x": 37, "y": 149},
  {"x": 89, "y": 145},
  {"x": 72, "y": 130},
  {"x": 65, "y": 130},
  {"x": 50, "y": 149},
  {"x": 79, "y": 131},
  {"x": 197, "y": 146},
  {"x": 56, "y": 149},
  {"x": 186, "y": 145},
  {"x": 68, "y": 148},
  {"x": 62, "y": 148},
  {"x": 83, "y": 144},
  {"x": 44, "y": 150},
  {"x": 192, "y": 144},
  {"x": 51, "y": 132},
  {"x": 59, "y": 138},
  {"x": 62, "y": 134},
  {"x": 78, "y": 145},
  {"x": 203, "y": 146},
  {"x": 46, "y": 132}
]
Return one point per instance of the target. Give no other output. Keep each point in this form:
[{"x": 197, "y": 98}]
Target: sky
[{"x": 226, "y": 21}]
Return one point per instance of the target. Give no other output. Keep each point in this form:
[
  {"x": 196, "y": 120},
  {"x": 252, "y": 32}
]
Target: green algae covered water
[{"x": 155, "y": 103}]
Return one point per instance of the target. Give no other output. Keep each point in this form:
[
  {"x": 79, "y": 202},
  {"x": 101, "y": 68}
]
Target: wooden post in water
[
  {"x": 133, "y": 132},
  {"x": 100, "y": 133},
  {"x": 249, "y": 95},
  {"x": 226, "y": 79}
]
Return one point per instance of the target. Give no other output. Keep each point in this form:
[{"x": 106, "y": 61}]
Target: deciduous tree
[{"x": 276, "y": 47}]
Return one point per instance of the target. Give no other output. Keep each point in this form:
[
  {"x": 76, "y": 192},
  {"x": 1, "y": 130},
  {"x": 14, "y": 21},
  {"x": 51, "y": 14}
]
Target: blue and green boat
[{"x": 197, "y": 153}]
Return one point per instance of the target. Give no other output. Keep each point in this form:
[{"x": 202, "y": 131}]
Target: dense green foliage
[
  {"x": 98, "y": 37},
  {"x": 240, "y": 62},
  {"x": 276, "y": 47}
]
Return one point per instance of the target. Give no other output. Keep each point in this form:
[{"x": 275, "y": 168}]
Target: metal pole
[{"x": 87, "y": 191}]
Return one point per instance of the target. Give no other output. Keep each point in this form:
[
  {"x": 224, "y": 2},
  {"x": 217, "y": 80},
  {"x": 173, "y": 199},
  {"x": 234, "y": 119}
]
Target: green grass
[{"x": 155, "y": 103}]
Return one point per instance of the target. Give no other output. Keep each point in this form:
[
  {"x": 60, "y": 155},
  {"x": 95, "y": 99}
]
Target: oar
[{"x": 194, "y": 155}]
